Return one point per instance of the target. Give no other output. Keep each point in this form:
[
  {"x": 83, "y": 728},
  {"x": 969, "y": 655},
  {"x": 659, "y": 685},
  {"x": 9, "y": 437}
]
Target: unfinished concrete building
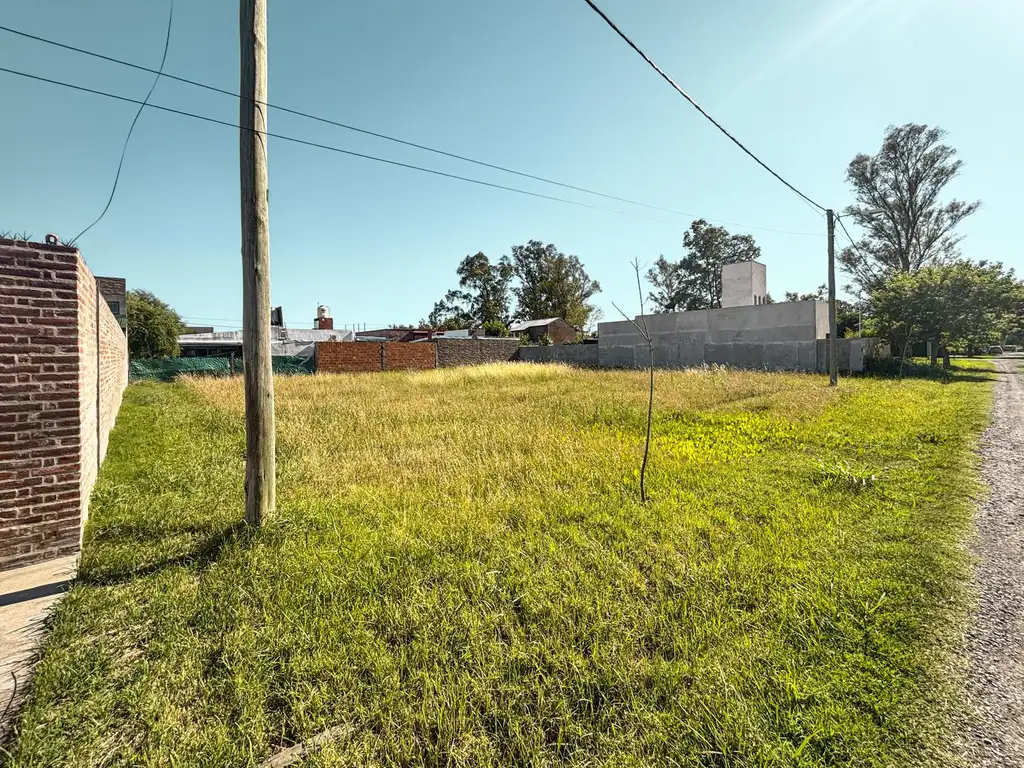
[{"x": 747, "y": 332}]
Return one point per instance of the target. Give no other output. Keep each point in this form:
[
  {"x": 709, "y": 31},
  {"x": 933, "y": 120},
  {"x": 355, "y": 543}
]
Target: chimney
[{"x": 324, "y": 321}]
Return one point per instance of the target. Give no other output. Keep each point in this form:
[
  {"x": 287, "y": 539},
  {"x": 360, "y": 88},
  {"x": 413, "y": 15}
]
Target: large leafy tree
[
  {"x": 906, "y": 225},
  {"x": 551, "y": 284},
  {"x": 959, "y": 303},
  {"x": 482, "y": 296},
  {"x": 695, "y": 282},
  {"x": 153, "y": 327}
]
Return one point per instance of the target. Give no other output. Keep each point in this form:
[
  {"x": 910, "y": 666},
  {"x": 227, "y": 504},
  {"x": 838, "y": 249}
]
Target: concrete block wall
[
  {"x": 584, "y": 355},
  {"x": 789, "y": 336},
  {"x": 455, "y": 352},
  {"x": 61, "y": 381},
  {"x": 852, "y": 353}
]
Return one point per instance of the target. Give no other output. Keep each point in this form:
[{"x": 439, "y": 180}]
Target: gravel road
[{"x": 995, "y": 643}]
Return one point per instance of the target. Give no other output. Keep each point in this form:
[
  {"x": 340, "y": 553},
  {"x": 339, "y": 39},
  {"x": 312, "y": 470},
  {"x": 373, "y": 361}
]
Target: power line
[
  {"x": 698, "y": 107},
  {"x": 124, "y": 149},
  {"x": 845, "y": 232},
  {"x": 385, "y": 137},
  {"x": 329, "y": 148}
]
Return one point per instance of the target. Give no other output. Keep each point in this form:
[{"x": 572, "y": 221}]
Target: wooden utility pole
[
  {"x": 260, "y": 461},
  {"x": 833, "y": 342}
]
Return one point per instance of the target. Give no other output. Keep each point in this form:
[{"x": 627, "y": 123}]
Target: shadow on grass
[
  {"x": 199, "y": 557},
  {"x": 890, "y": 368}
]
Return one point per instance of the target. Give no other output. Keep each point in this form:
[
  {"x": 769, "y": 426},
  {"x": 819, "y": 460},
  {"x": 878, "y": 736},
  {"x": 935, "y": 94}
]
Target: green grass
[{"x": 461, "y": 572}]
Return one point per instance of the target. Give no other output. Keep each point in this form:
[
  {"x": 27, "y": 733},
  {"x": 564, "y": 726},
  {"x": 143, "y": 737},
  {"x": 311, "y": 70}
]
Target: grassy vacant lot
[{"x": 460, "y": 574}]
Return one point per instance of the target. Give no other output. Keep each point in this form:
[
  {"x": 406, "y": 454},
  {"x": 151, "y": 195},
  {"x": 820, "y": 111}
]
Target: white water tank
[{"x": 323, "y": 311}]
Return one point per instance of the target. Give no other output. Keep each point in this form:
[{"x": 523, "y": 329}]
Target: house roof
[
  {"x": 522, "y": 326},
  {"x": 111, "y": 286}
]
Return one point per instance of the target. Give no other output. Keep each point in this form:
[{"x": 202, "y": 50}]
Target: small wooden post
[{"x": 260, "y": 462}]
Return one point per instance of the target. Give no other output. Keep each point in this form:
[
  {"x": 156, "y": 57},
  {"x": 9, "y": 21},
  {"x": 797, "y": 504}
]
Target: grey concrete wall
[
  {"x": 853, "y": 353},
  {"x": 791, "y": 321},
  {"x": 574, "y": 354},
  {"x": 789, "y": 337},
  {"x": 768, "y": 355},
  {"x": 821, "y": 319}
]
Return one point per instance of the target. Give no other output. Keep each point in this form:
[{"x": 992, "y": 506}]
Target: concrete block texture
[
  {"x": 452, "y": 353},
  {"x": 616, "y": 357},
  {"x": 691, "y": 352},
  {"x": 788, "y": 336},
  {"x": 584, "y": 355}
]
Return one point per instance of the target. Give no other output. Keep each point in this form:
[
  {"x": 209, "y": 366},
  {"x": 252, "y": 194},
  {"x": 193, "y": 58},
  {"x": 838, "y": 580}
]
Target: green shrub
[{"x": 495, "y": 328}]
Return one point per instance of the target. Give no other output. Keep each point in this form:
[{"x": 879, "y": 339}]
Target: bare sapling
[{"x": 642, "y": 329}]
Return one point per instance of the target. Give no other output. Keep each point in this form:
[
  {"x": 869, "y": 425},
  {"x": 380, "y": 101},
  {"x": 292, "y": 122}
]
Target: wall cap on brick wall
[{"x": 29, "y": 245}]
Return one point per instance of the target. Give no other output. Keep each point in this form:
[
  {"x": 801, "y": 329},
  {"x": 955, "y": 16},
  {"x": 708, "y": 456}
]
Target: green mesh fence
[{"x": 171, "y": 368}]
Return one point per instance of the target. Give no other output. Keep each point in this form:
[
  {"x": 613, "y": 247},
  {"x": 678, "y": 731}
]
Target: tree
[
  {"x": 495, "y": 328},
  {"x": 482, "y": 297},
  {"x": 695, "y": 282},
  {"x": 551, "y": 284},
  {"x": 898, "y": 207},
  {"x": 646, "y": 335},
  {"x": 820, "y": 295},
  {"x": 955, "y": 304},
  {"x": 153, "y": 327}
]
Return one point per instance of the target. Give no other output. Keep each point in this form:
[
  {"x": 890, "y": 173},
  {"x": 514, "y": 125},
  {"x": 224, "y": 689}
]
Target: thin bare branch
[{"x": 632, "y": 322}]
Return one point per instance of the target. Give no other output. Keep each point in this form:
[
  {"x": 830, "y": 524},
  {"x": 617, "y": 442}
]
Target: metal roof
[{"x": 522, "y": 326}]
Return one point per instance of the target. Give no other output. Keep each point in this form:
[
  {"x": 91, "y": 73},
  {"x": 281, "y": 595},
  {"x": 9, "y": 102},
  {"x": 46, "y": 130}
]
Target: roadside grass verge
[{"x": 460, "y": 570}]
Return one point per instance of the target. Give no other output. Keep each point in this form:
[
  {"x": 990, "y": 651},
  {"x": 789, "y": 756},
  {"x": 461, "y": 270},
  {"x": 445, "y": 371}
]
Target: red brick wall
[
  {"x": 403, "y": 356},
  {"x": 347, "y": 356},
  {"x": 48, "y": 402},
  {"x": 561, "y": 332},
  {"x": 87, "y": 385},
  {"x": 361, "y": 356}
]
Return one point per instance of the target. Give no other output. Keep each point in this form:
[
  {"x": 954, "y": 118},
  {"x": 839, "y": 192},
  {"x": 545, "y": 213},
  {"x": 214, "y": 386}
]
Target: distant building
[
  {"x": 556, "y": 329},
  {"x": 190, "y": 329},
  {"x": 115, "y": 293},
  {"x": 394, "y": 334},
  {"x": 287, "y": 342}
]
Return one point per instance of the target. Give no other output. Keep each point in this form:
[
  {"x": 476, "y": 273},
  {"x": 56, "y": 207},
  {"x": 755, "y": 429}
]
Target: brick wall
[
  {"x": 361, "y": 356},
  {"x": 403, "y": 356},
  {"x": 347, "y": 356},
  {"x": 355, "y": 356},
  {"x": 454, "y": 352},
  {"x": 59, "y": 393}
]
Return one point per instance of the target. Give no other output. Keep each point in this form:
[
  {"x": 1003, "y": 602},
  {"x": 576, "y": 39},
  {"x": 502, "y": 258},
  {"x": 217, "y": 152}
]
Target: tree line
[{"x": 537, "y": 281}]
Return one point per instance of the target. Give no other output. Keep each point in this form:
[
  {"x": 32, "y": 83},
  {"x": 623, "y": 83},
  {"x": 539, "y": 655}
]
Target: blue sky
[{"x": 538, "y": 85}]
